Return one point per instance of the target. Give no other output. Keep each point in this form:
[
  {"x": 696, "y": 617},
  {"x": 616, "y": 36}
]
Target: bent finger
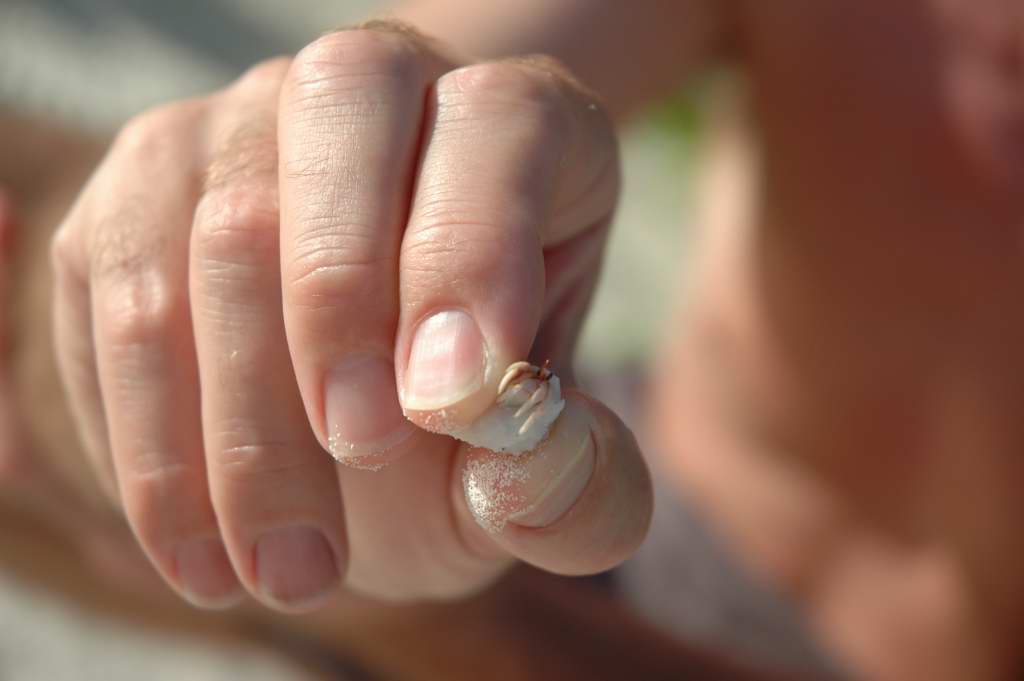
[
  {"x": 274, "y": 490},
  {"x": 146, "y": 355},
  {"x": 519, "y": 159},
  {"x": 75, "y": 349}
]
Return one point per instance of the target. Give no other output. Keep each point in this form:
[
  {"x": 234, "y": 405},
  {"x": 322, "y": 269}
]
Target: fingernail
[
  {"x": 205, "y": 574},
  {"x": 446, "y": 363},
  {"x": 362, "y": 409},
  {"x": 296, "y": 567},
  {"x": 537, "y": 488}
]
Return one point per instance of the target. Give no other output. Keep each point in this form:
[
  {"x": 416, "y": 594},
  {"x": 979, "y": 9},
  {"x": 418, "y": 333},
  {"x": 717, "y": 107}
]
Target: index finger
[
  {"x": 518, "y": 180},
  {"x": 350, "y": 119},
  {"x": 518, "y": 159}
]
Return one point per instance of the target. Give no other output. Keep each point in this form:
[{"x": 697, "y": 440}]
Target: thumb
[{"x": 579, "y": 503}]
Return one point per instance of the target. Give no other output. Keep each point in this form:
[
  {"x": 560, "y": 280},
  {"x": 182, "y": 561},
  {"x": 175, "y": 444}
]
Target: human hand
[{"x": 287, "y": 265}]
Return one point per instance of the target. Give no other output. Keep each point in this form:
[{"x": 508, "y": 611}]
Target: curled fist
[{"x": 341, "y": 254}]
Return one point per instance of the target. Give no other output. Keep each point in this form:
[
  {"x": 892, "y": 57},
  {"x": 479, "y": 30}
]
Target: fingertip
[
  {"x": 204, "y": 575},
  {"x": 297, "y": 569}
]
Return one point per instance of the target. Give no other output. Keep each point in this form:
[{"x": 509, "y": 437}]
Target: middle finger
[{"x": 274, "y": 490}]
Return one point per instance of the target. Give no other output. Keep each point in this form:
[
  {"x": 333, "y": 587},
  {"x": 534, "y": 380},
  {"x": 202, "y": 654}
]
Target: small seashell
[{"x": 529, "y": 400}]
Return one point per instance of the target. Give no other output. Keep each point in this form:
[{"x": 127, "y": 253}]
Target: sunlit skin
[{"x": 842, "y": 394}]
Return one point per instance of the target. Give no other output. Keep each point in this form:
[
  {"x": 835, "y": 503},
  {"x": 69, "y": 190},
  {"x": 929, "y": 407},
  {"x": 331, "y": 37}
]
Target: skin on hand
[{"x": 296, "y": 263}]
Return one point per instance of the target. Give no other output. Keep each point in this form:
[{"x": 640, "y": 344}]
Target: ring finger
[{"x": 136, "y": 239}]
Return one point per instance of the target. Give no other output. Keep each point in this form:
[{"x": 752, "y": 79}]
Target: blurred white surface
[{"x": 45, "y": 639}]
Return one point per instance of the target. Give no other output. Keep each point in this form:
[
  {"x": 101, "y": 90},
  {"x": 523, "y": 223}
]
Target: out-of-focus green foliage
[{"x": 680, "y": 114}]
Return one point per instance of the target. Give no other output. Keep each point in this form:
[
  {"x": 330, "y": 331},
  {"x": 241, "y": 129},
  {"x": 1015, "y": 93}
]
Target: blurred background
[{"x": 83, "y": 67}]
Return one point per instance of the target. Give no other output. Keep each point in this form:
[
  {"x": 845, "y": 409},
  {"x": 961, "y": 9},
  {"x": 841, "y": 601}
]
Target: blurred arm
[{"x": 630, "y": 52}]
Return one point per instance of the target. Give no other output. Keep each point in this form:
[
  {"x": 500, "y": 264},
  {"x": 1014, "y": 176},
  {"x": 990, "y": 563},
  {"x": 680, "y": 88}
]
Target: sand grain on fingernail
[{"x": 364, "y": 463}]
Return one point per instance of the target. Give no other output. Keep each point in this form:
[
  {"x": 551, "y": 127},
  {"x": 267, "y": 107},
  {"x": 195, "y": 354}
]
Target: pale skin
[
  {"x": 848, "y": 378},
  {"x": 411, "y": 271}
]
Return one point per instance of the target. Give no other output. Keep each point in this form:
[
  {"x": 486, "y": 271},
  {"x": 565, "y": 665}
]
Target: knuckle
[
  {"x": 154, "y": 133},
  {"x": 236, "y": 226},
  {"x": 332, "y": 265},
  {"x": 141, "y": 310},
  {"x": 348, "y": 59},
  {"x": 241, "y": 455},
  {"x": 556, "y": 75},
  {"x": 154, "y": 491},
  {"x": 118, "y": 253},
  {"x": 247, "y": 157},
  {"x": 244, "y": 460},
  {"x": 427, "y": 256},
  {"x": 444, "y": 216},
  {"x": 118, "y": 249},
  {"x": 266, "y": 74},
  {"x": 505, "y": 88}
]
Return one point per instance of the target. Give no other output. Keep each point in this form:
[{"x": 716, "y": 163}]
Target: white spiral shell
[{"x": 529, "y": 400}]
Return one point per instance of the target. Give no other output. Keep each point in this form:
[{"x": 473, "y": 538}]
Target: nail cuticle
[
  {"x": 361, "y": 409},
  {"x": 344, "y": 451}
]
